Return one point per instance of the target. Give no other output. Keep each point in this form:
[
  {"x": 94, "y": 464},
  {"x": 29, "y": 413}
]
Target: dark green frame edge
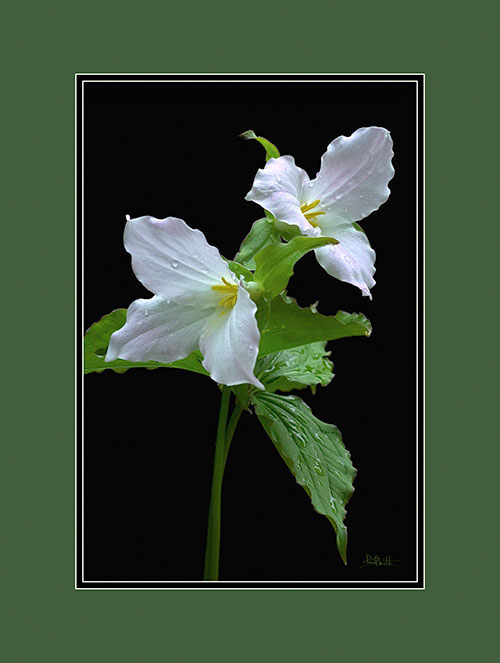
[{"x": 47, "y": 618}]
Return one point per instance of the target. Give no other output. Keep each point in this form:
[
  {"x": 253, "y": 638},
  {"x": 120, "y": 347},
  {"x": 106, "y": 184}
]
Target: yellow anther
[
  {"x": 231, "y": 292},
  {"x": 312, "y": 215},
  {"x": 306, "y": 207}
]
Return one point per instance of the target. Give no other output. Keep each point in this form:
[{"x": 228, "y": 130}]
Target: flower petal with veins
[{"x": 230, "y": 343}]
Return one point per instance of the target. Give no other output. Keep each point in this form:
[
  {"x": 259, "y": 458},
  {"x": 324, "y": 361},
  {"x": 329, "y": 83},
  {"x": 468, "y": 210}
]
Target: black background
[{"x": 172, "y": 149}]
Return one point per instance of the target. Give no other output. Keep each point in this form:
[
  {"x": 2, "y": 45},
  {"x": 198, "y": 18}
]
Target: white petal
[
  {"x": 352, "y": 260},
  {"x": 175, "y": 261},
  {"x": 278, "y": 188},
  {"x": 158, "y": 330},
  {"x": 352, "y": 181},
  {"x": 230, "y": 343}
]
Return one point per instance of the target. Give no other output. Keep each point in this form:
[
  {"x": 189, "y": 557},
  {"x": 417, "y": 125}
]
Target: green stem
[
  {"x": 213, "y": 533},
  {"x": 231, "y": 427}
]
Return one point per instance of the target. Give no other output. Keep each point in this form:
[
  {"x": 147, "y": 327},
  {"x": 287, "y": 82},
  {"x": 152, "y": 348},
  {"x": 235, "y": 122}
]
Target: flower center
[
  {"x": 231, "y": 292},
  {"x": 311, "y": 216}
]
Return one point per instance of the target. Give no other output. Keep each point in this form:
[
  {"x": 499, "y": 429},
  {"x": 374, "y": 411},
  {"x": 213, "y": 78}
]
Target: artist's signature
[{"x": 378, "y": 560}]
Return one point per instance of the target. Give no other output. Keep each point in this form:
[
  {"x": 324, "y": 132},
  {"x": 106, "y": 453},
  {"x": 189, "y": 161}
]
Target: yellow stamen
[
  {"x": 231, "y": 292},
  {"x": 312, "y": 215}
]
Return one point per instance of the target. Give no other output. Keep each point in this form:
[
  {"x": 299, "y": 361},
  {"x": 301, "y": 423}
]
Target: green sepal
[
  {"x": 286, "y": 230},
  {"x": 289, "y": 326},
  {"x": 271, "y": 150},
  {"x": 296, "y": 368},
  {"x": 262, "y": 233},
  {"x": 242, "y": 394},
  {"x": 314, "y": 453},
  {"x": 240, "y": 270},
  {"x": 275, "y": 263},
  {"x": 96, "y": 343}
]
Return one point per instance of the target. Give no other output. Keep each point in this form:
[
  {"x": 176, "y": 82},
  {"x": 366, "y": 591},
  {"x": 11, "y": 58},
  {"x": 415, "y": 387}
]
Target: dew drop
[
  {"x": 301, "y": 439},
  {"x": 175, "y": 264},
  {"x": 319, "y": 471}
]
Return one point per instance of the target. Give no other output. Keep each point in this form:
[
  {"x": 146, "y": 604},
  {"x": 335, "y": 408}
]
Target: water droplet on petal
[{"x": 175, "y": 264}]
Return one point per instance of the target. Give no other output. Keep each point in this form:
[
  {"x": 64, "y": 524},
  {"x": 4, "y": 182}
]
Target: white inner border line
[{"x": 419, "y": 190}]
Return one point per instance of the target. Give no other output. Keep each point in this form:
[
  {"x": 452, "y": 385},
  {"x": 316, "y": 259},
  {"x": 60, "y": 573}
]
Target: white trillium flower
[
  {"x": 351, "y": 184},
  {"x": 198, "y": 303}
]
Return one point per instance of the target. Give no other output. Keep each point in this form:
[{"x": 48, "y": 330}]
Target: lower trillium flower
[
  {"x": 351, "y": 184},
  {"x": 198, "y": 304}
]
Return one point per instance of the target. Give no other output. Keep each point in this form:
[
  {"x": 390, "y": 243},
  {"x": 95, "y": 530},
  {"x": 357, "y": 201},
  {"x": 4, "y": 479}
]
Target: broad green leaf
[
  {"x": 96, "y": 344},
  {"x": 297, "y": 368},
  {"x": 289, "y": 325},
  {"x": 314, "y": 453},
  {"x": 275, "y": 263},
  {"x": 271, "y": 150},
  {"x": 261, "y": 234}
]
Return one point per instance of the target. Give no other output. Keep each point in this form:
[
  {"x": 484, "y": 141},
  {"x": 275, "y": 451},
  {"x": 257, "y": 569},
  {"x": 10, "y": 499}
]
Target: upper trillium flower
[
  {"x": 198, "y": 303},
  {"x": 352, "y": 183}
]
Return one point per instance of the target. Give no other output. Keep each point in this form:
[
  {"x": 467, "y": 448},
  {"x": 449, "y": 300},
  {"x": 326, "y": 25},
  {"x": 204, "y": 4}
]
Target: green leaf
[
  {"x": 314, "y": 453},
  {"x": 96, "y": 344},
  {"x": 262, "y": 233},
  {"x": 297, "y": 368},
  {"x": 275, "y": 263},
  {"x": 271, "y": 150},
  {"x": 289, "y": 325},
  {"x": 263, "y": 313}
]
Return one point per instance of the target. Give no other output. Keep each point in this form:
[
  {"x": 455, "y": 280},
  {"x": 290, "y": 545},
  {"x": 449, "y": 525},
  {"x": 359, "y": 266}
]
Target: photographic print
[{"x": 250, "y": 319}]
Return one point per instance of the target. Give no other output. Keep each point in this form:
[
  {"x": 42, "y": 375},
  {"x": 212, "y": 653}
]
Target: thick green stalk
[{"x": 213, "y": 532}]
